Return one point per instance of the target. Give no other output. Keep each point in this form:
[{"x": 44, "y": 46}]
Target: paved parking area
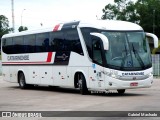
[{"x": 12, "y": 98}]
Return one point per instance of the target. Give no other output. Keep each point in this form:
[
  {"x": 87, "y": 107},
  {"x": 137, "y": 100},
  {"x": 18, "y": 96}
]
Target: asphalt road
[{"x": 12, "y": 98}]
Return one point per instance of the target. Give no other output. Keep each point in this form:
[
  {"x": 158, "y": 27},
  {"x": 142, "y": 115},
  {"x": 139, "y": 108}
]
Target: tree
[
  {"x": 149, "y": 10},
  {"x": 121, "y": 10},
  {"x": 22, "y": 28},
  {"x": 4, "y": 25},
  {"x": 146, "y": 13}
]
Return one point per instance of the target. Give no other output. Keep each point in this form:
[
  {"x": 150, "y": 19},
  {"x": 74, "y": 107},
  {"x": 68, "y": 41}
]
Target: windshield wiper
[
  {"x": 124, "y": 58},
  {"x": 138, "y": 57}
]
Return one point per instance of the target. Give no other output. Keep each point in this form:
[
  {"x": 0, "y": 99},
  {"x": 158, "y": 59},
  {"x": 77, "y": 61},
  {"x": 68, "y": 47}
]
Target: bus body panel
[
  {"x": 6, "y": 73},
  {"x": 60, "y": 76},
  {"x": 45, "y": 75},
  {"x": 97, "y": 79}
]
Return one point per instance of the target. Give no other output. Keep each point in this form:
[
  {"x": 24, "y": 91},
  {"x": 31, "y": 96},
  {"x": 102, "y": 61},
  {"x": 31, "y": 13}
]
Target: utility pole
[
  {"x": 22, "y": 16},
  {"x": 13, "y": 25}
]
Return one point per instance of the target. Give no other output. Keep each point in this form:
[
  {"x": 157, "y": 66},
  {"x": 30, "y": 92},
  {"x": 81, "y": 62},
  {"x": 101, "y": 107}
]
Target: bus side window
[
  {"x": 30, "y": 42},
  {"x": 18, "y": 45},
  {"x": 96, "y": 50},
  {"x": 42, "y": 42},
  {"x": 56, "y": 41},
  {"x": 45, "y": 44},
  {"x": 7, "y": 45},
  {"x": 7, "y": 42},
  {"x": 87, "y": 38},
  {"x": 72, "y": 41}
]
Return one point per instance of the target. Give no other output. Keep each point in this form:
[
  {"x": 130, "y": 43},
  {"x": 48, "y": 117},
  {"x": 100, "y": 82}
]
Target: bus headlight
[
  {"x": 114, "y": 74},
  {"x": 150, "y": 74}
]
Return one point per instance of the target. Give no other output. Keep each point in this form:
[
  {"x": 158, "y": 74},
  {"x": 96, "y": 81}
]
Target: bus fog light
[{"x": 110, "y": 83}]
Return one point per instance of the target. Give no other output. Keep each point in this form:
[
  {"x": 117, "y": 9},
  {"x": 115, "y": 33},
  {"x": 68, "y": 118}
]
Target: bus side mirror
[
  {"x": 155, "y": 39},
  {"x": 103, "y": 38}
]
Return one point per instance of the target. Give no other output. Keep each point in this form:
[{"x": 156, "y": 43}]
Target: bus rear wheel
[
  {"x": 82, "y": 85},
  {"x": 121, "y": 91},
  {"x": 22, "y": 81}
]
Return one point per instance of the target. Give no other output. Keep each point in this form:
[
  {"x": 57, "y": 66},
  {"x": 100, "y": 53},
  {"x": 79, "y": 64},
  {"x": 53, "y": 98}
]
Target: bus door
[{"x": 97, "y": 78}]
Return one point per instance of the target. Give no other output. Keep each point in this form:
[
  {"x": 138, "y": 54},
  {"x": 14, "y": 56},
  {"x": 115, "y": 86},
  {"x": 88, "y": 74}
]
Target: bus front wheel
[
  {"x": 82, "y": 85},
  {"x": 121, "y": 91},
  {"x": 22, "y": 81}
]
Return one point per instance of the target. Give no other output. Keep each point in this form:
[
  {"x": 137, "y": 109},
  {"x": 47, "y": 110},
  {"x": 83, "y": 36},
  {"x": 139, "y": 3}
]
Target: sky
[{"x": 49, "y": 12}]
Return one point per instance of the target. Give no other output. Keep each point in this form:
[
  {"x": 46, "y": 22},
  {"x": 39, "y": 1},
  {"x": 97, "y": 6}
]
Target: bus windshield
[{"x": 127, "y": 50}]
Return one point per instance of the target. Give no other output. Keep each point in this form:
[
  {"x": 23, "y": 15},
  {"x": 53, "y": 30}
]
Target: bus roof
[{"x": 111, "y": 25}]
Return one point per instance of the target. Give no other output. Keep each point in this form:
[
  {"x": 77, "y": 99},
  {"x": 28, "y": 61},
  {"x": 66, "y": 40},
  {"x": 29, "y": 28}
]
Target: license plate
[{"x": 134, "y": 84}]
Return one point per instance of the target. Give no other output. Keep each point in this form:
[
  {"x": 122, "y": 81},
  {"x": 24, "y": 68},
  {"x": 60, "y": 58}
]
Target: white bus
[{"x": 100, "y": 55}]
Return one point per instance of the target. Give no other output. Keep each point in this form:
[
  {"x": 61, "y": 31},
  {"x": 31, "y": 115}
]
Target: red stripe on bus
[
  {"x": 49, "y": 58},
  {"x": 56, "y": 27}
]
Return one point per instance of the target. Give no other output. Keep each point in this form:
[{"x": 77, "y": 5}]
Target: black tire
[
  {"x": 121, "y": 91},
  {"x": 22, "y": 81},
  {"x": 82, "y": 85}
]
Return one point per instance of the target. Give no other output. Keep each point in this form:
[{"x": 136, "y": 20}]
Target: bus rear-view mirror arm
[
  {"x": 103, "y": 38},
  {"x": 155, "y": 39}
]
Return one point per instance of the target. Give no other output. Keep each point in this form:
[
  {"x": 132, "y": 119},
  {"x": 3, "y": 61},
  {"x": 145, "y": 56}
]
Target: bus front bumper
[{"x": 114, "y": 84}]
